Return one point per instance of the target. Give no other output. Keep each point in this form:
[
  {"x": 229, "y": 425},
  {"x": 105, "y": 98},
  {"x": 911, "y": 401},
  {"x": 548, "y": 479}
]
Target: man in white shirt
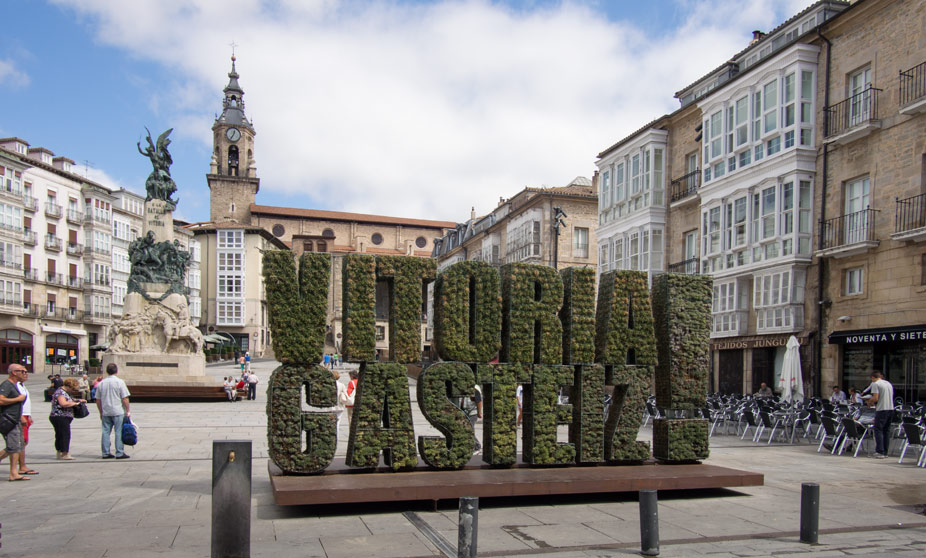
[
  {"x": 26, "y": 421},
  {"x": 838, "y": 395},
  {"x": 882, "y": 399},
  {"x": 112, "y": 400}
]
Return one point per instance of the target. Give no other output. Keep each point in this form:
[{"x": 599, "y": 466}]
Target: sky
[{"x": 418, "y": 109}]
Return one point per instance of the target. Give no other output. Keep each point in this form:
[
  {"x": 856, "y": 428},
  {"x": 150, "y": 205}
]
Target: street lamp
[{"x": 558, "y": 223}]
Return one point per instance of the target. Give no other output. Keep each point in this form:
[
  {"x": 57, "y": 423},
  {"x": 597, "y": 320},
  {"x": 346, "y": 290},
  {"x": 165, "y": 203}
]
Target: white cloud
[
  {"x": 11, "y": 77},
  {"x": 424, "y": 110}
]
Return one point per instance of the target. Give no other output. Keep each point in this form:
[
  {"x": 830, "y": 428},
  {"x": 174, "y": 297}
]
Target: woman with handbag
[{"x": 63, "y": 404}]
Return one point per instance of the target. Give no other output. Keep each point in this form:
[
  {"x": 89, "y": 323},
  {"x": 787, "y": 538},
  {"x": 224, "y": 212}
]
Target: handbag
[
  {"x": 129, "y": 432},
  {"x": 7, "y": 424},
  {"x": 81, "y": 410}
]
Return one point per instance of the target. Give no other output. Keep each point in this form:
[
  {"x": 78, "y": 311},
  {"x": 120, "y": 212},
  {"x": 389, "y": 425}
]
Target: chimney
[
  {"x": 501, "y": 201},
  {"x": 472, "y": 212},
  {"x": 756, "y": 36}
]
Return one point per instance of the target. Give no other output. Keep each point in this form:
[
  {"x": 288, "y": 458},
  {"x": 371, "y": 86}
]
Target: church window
[
  {"x": 278, "y": 230},
  {"x": 421, "y": 242},
  {"x": 327, "y": 233},
  {"x": 377, "y": 239}
]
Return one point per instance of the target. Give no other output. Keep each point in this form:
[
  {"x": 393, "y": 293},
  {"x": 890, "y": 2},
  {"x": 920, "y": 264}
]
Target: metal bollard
[
  {"x": 810, "y": 512},
  {"x": 469, "y": 527},
  {"x": 231, "y": 499},
  {"x": 649, "y": 523}
]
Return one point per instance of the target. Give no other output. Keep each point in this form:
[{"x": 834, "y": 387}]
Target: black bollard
[
  {"x": 469, "y": 527},
  {"x": 810, "y": 512},
  {"x": 649, "y": 523},
  {"x": 231, "y": 498}
]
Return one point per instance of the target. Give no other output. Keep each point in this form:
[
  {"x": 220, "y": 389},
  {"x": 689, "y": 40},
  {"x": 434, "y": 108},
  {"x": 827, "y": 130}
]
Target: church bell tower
[{"x": 232, "y": 177}]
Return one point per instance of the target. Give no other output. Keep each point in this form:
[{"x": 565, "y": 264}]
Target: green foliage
[
  {"x": 682, "y": 314},
  {"x": 297, "y": 308},
  {"x": 624, "y": 322},
  {"x": 406, "y": 276},
  {"x": 631, "y": 388},
  {"x": 587, "y": 428},
  {"x": 437, "y": 386},
  {"x": 543, "y": 413},
  {"x": 359, "y": 308},
  {"x": 578, "y": 315},
  {"x": 500, "y": 410},
  {"x": 382, "y": 419},
  {"x": 286, "y": 420},
  {"x": 461, "y": 289},
  {"x": 94, "y": 362},
  {"x": 532, "y": 295},
  {"x": 680, "y": 440}
]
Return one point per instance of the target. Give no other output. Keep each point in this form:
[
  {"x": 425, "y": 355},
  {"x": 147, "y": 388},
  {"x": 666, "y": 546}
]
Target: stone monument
[{"x": 155, "y": 343}]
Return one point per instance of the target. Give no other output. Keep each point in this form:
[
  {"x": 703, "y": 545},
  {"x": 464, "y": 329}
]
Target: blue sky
[{"x": 416, "y": 109}]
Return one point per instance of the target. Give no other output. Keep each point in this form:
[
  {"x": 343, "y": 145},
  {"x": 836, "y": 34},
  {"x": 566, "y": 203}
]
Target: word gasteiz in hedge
[{"x": 547, "y": 334}]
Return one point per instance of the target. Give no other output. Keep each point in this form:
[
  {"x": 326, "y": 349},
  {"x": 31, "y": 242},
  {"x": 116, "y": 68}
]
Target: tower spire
[{"x": 233, "y": 103}]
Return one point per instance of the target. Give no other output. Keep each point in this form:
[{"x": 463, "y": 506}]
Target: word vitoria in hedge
[{"x": 550, "y": 340}]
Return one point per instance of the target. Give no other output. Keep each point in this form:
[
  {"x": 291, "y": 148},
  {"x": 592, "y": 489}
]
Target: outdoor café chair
[
  {"x": 914, "y": 438},
  {"x": 750, "y": 418},
  {"x": 854, "y": 430},
  {"x": 767, "y": 422},
  {"x": 829, "y": 431}
]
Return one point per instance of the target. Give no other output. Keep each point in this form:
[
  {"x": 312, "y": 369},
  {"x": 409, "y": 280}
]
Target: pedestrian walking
[
  {"x": 112, "y": 401},
  {"x": 11, "y": 419},
  {"x": 26, "y": 422},
  {"x": 882, "y": 399},
  {"x": 252, "y": 386},
  {"x": 247, "y": 360},
  {"x": 63, "y": 402}
]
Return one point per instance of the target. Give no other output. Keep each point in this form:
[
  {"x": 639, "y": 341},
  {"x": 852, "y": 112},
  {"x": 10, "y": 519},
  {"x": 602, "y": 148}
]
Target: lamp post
[{"x": 558, "y": 223}]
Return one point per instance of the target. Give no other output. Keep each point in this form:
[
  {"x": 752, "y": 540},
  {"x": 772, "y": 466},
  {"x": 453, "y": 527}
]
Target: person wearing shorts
[{"x": 11, "y": 408}]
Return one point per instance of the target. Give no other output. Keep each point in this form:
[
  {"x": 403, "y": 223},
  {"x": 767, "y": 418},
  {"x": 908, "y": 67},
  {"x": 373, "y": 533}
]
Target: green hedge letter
[
  {"x": 439, "y": 386},
  {"x": 578, "y": 315},
  {"x": 359, "y": 307},
  {"x": 682, "y": 311},
  {"x": 382, "y": 419},
  {"x": 625, "y": 343},
  {"x": 297, "y": 309},
  {"x": 406, "y": 278},
  {"x": 531, "y": 299},
  {"x": 500, "y": 410},
  {"x": 286, "y": 420},
  {"x": 467, "y": 312},
  {"x": 543, "y": 413}
]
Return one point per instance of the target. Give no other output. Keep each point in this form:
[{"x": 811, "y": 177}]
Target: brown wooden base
[{"x": 342, "y": 486}]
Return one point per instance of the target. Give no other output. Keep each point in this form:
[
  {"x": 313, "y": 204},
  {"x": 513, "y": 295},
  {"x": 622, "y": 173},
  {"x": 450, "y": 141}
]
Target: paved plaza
[{"x": 158, "y": 503}]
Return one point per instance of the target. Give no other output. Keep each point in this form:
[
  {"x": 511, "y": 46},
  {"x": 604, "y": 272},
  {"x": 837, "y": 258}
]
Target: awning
[
  {"x": 901, "y": 334},
  {"x": 50, "y": 329},
  {"x": 99, "y": 347},
  {"x": 213, "y": 338}
]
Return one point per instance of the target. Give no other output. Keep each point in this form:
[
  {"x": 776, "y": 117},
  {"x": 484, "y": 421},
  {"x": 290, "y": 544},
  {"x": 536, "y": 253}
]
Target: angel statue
[{"x": 160, "y": 186}]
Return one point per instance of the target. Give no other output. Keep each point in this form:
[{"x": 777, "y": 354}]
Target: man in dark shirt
[{"x": 11, "y": 406}]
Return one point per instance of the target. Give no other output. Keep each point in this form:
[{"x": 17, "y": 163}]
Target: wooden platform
[
  {"x": 180, "y": 392},
  {"x": 341, "y": 486}
]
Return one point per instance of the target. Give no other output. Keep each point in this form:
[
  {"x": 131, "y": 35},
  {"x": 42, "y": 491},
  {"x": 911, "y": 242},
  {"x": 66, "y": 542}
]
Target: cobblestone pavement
[{"x": 158, "y": 503}]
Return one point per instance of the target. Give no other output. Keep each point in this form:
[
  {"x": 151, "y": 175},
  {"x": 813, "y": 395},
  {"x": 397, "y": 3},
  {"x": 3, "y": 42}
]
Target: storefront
[
  {"x": 898, "y": 352},
  {"x": 743, "y": 364},
  {"x": 15, "y": 347}
]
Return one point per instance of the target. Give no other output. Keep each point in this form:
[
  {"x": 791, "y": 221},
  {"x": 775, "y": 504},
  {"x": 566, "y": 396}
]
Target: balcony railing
[
  {"x": 75, "y": 216},
  {"x": 52, "y": 210},
  {"x": 854, "y": 111},
  {"x": 55, "y": 279},
  {"x": 11, "y": 264},
  {"x": 75, "y": 282},
  {"x": 12, "y": 193},
  {"x": 75, "y": 315},
  {"x": 102, "y": 251},
  {"x": 52, "y": 242},
  {"x": 30, "y": 237},
  {"x": 688, "y": 267},
  {"x": 910, "y": 214},
  {"x": 12, "y": 301},
  {"x": 75, "y": 249},
  {"x": 97, "y": 217},
  {"x": 97, "y": 316},
  {"x": 57, "y": 314},
  {"x": 32, "y": 274},
  {"x": 913, "y": 84},
  {"x": 31, "y": 203},
  {"x": 31, "y": 310},
  {"x": 688, "y": 185},
  {"x": 97, "y": 282},
  {"x": 8, "y": 227},
  {"x": 846, "y": 230}
]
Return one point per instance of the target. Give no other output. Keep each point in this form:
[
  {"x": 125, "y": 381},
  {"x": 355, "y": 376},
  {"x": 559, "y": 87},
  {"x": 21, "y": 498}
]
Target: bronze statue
[{"x": 159, "y": 185}]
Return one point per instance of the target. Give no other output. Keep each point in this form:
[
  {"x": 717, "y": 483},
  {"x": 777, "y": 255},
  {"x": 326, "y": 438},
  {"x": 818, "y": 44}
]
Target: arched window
[{"x": 233, "y": 160}]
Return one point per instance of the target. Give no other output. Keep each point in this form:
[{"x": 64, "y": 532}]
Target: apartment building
[{"x": 871, "y": 196}]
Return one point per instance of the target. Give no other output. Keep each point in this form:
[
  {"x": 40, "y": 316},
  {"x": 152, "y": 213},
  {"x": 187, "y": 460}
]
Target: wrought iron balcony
[
  {"x": 52, "y": 210},
  {"x": 57, "y": 314},
  {"x": 52, "y": 242},
  {"x": 910, "y": 218},
  {"x": 688, "y": 267},
  {"x": 849, "y": 234},
  {"x": 31, "y": 203},
  {"x": 75, "y": 249},
  {"x": 854, "y": 117},
  {"x": 75, "y": 315},
  {"x": 55, "y": 279},
  {"x": 32, "y": 274},
  {"x": 75, "y": 282},
  {"x": 94, "y": 217},
  {"x": 30, "y": 238},
  {"x": 75, "y": 216},
  {"x": 31, "y": 310},
  {"x": 687, "y": 185},
  {"x": 913, "y": 89}
]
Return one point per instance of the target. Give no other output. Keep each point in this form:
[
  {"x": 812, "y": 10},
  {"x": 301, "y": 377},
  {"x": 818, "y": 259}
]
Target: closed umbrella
[{"x": 792, "y": 383}]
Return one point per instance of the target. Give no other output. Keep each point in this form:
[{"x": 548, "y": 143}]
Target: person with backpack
[
  {"x": 341, "y": 400},
  {"x": 112, "y": 401},
  {"x": 351, "y": 394}
]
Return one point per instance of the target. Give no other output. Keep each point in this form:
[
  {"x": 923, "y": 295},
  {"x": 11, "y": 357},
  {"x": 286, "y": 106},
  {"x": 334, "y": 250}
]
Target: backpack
[
  {"x": 351, "y": 392},
  {"x": 343, "y": 398},
  {"x": 129, "y": 432}
]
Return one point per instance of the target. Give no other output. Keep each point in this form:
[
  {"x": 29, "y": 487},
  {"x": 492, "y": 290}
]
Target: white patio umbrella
[{"x": 792, "y": 383}]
